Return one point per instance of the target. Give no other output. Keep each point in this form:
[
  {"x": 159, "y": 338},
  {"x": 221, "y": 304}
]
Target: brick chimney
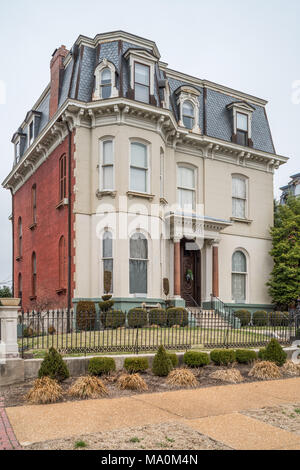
[{"x": 56, "y": 70}]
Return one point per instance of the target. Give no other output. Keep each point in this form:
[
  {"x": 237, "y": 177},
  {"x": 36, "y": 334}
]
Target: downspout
[
  {"x": 13, "y": 244},
  {"x": 69, "y": 219}
]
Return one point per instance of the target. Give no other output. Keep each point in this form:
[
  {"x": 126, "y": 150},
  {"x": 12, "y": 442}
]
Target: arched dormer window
[
  {"x": 105, "y": 81},
  {"x": 188, "y": 103},
  {"x": 188, "y": 115}
]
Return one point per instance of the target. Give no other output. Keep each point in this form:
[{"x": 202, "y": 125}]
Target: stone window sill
[
  {"x": 32, "y": 297},
  {"x": 62, "y": 203},
  {"x": 19, "y": 258},
  {"x": 163, "y": 201},
  {"x": 61, "y": 290},
  {"x": 243, "y": 221},
  {"x": 132, "y": 194},
  {"x": 101, "y": 194},
  {"x": 33, "y": 226}
]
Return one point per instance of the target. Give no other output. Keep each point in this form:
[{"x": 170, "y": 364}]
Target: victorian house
[{"x": 117, "y": 156}]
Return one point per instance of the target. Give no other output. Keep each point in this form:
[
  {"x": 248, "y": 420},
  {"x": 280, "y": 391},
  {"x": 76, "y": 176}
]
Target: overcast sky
[{"x": 250, "y": 46}]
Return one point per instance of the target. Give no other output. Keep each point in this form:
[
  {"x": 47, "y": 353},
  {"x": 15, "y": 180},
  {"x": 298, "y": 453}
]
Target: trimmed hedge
[
  {"x": 260, "y": 318},
  {"x": 137, "y": 318},
  {"x": 244, "y": 316},
  {"x": 278, "y": 319},
  {"x": 158, "y": 316},
  {"x": 162, "y": 364},
  {"x": 113, "y": 319},
  {"x": 85, "y": 315},
  {"x": 273, "y": 353},
  {"x": 101, "y": 365},
  {"x": 136, "y": 364},
  {"x": 196, "y": 359},
  {"x": 177, "y": 316},
  {"x": 174, "y": 359},
  {"x": 106, "y": 305},
  {"x": 54, "y": 366},
  {"x": 223, "y": 356},
  {"x": 245, "y": 356}
]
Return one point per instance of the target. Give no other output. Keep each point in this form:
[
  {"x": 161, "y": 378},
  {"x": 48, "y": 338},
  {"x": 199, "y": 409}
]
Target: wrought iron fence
[{"x": 116, "y": 332}]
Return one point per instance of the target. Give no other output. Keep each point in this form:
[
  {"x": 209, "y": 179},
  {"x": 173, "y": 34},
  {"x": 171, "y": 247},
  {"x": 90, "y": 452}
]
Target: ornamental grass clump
[
  {"x": 291, "y": 369},
  {"x": 132, "y": 382},
  {"x": 229, "y": 375},
  {"x": 273, "y": 353},
  {"x": 44, "y": 390},
  {"x": 162, "y": 364},
  {"x": 265, "y": 370},
  {"x": 88, "y": 387},
  {"x": 54, "y": 366},
  {"x": 182, "y": 378}
]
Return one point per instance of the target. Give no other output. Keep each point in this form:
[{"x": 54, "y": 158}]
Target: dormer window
[
  {"x": 241, "y": 129},
  {"x": 18, "y": 151},
  {"x": 188, "y": 115},
  {"x": 241, "y": 122},
  {"x": 31, "y": 133},
  {"x": 141, "y": 82},
  {"x": 105, "y": 81},
  {"x": 188, "y": 103}
]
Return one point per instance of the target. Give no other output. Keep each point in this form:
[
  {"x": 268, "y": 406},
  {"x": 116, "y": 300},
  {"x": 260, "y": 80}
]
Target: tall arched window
[
  {"x": 62, "y": 262},
  {"x": 106, "y": 83},
  {"x": 107, "y": 255},
  {"x": 239, "y": 276},
  {"x": 62, "y": 177},
  {"x": 138, "y": 264},
  {"x": 20, "y": 287},
  {"x": 239, "y": 196},
  {"x": 188, "y": 115},
  {"x": 20, "y": 237},
  {"x": 33, "y": 275},
  {"x": 33, "y": 203}
]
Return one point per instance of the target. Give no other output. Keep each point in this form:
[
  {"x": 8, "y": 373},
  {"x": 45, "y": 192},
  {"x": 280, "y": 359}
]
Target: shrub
[
  {"x": 132, "y": 382},
  {"x": 137, "y": 317},
  {"x": 182, "y": 377},
  {"x": 28, "y": 332},
  {"x": 106, "y": 305},
  {"x": 261, "y": 354},
  {"x": 245, "y": 356},
  {"x": 44, "y": 390},
  {"x": 173, "y": 358},
  {"x": 244, "y": 316},
  {"x": 229, "y": 375},
  {"x": 136, "y": 364},
  {"x": 260, "y": 318},
  {"x": 196, "y": 359},
  {"x": 113, "y": 319},
  {"x": 88, "y": 387},
  {"x": 54, "y": 366},
  {"x": 86, "y": 315},
  {"x": 162, "y": 364},
  {"x": 158, "y": 316},
  {"x": 273, "y": 353},
  {"x": 278, "y": 319},
  {"x": 222, "y": 356},
  {"x": 177, "y": 316},
  {"x": 101, "y": 365},
  {"x": 265, "y": 370}
]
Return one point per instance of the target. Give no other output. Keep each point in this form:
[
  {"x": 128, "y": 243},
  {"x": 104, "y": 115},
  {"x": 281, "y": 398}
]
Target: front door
[{"x": 190, "y": 273}]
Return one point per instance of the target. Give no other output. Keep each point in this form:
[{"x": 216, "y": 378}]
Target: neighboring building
[
  {"x": 119, "y": 138},
  {"x": 291, "y": 189}
]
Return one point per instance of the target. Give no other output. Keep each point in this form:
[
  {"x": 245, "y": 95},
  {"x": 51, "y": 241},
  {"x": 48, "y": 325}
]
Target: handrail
[{"x": 196, "y": 303}]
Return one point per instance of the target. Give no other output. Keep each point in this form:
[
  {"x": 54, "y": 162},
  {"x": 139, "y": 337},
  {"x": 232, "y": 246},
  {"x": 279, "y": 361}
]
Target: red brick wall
[{"x": 52, "y": 223}]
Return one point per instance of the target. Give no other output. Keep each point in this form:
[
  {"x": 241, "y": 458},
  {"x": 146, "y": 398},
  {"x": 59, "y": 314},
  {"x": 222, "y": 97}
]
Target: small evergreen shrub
[
  {"x": 85, "y": 315},
  {"x": 278, "y": 319},
  {"x": 244, "y": 316},
  {"x": 177, "y": 316},
  {"x": 136, "y": 364},
  {"x": 106, "y": 305},
  {"x": 101, "y": 365},
  {"x": 245, "y": 356},
  {"x": 54, "y": 366},
  {"x": 260, "y": 318},
  {"x": 261, "y": 354},
  {"x": 196, "y": 359},
  {"x": 158, "y": 316},
  {"x": 137, "y": 318},
  {"x": 162, "y": 364},
  {"x": 113, "y": 319},
  {"x": 173, "y": 358},
  {"x": 222, "y": 356},
  {"x": 274, "y": 353}
]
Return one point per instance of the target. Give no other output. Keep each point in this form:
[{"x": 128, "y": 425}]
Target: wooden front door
[{"x": 190, "y": 273}]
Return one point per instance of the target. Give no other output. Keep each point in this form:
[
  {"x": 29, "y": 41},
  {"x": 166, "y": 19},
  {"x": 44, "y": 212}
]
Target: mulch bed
[{"x": 14, "y": 394}]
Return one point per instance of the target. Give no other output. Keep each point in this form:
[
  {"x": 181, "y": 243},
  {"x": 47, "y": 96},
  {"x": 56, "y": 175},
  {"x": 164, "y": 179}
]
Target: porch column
[
  {"x": 215, "y": 254},
  {"x": 177, "y": 286}
]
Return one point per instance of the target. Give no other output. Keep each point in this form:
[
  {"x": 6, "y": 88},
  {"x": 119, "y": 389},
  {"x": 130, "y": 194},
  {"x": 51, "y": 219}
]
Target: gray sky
[{"x": 253, "y": 47}]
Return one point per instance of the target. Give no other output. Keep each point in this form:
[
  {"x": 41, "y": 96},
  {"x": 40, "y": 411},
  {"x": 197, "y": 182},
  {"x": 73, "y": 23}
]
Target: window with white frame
[
  {"x": 138, "y": 264},
  {"x": 161, "y": 174},
  {"x": 188, "y": 115},
  {"x": 31, "y": 132},
  {"x": 18, "y": 150},
  {"x": 239, "y": 276},
  {"x": 107, "y": 255},
  {"x": 106, "y": 83},
  {"x": 239, "y": 197},
  {"x": 107, "y": 165},
  {"x": 186, "y": 187},
  {"x": 141, "y": 82},
  {"x": 139, "y": 170},
  {"x": 242, "y": 128}
]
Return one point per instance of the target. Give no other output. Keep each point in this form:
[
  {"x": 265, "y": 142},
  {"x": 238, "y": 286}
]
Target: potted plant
[{"x": 6, "y": 298}]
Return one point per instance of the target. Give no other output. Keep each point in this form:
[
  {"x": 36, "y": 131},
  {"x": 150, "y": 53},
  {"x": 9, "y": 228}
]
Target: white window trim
[
  {"x": 148, "y": 261},
  {"x": 190, "y": 167},
  {"x": 32, "y": 121},
  {"x": 101, "y": 163},
  {"x": 242, "y": 108},
  {"x": 246, "y": 180},
  {"x": 17, "y": 143},
  {"x": 148, "y": 169},
  {"x": 141, "y": 60},
  {"x": 162, "y": 174},
  {"x": 98, "y": 89},
  {"x": 189, "y": 94},
  {"x": 247, "y": 276},
  {"x": 104, "y": 259}
]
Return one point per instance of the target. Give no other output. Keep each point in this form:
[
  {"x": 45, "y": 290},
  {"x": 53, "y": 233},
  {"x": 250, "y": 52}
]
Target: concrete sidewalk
[{"x": 213, "y": 411}]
